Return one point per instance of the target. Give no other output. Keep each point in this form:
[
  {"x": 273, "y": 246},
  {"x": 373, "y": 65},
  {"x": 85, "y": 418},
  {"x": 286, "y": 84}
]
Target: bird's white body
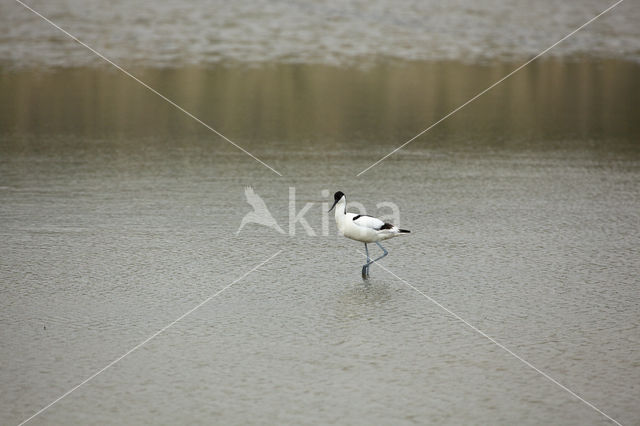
[{"x": 363, "y": 228}]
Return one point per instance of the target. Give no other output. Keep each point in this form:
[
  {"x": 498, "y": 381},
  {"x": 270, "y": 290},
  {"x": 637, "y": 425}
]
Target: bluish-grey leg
[
  {"x": 365, "y": 268},
  {"x": 385, "y": 252}
]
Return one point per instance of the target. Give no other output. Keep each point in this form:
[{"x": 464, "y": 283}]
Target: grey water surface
[
  {"x": 119, "y": 214},
  {"x": 169, "y": 33}
]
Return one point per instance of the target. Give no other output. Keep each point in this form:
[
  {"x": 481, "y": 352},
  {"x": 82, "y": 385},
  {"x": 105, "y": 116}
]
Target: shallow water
[{"x": 118, "y": 215}]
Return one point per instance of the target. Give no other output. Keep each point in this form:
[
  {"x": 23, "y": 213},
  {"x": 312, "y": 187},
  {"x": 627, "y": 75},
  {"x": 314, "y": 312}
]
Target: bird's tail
[{"x": 404, "y": 231}]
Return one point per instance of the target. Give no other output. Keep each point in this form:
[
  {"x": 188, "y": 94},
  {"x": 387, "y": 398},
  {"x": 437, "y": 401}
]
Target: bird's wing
[
  {"x": 368, "y": 222},
  {"x": 254, "y": 200}
]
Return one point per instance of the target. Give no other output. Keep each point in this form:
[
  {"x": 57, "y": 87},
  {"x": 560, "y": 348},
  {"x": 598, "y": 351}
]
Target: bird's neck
[{"x": 341, "y": 209}]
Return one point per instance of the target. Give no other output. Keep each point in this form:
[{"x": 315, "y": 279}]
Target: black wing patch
[
  {"x": 360, "y": 215},
  {"x": 386, "y": 226}
]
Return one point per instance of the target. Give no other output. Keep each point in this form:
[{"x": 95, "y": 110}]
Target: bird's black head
[{"x": 336, "y": 197}]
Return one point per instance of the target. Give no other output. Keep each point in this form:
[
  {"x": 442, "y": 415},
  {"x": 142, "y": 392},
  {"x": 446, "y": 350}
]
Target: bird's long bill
[{"x": 334, "y": 204}]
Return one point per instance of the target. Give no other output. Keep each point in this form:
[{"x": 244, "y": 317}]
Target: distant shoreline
[{"x": 578, "y": 99}]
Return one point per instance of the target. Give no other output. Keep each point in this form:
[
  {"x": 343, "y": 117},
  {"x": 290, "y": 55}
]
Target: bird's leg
[
  {"x": 385, "y": 252},
  {"x": 365, "y": 268}
]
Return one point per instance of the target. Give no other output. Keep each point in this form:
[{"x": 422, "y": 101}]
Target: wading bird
[{"x": 363, "y": 228}]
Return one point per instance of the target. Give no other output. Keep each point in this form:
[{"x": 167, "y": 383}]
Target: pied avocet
[{"x": 363, "y": 228}]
